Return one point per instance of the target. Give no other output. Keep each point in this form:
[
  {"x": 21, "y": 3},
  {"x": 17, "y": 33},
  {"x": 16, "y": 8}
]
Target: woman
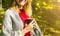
[{"x": 13, "y": 22}]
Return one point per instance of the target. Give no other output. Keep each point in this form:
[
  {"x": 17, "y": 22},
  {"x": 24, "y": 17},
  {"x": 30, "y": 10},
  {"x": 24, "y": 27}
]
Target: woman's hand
[
  {"x": 31, "y": 26},
  {"x": 28, "y": 28}
]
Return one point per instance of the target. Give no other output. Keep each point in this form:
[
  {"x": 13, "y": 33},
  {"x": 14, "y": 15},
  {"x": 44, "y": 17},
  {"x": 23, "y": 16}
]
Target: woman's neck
[{"x": 20, "y": 7}]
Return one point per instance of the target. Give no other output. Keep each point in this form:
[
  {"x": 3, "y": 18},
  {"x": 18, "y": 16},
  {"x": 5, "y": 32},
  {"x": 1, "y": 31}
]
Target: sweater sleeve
[
  {"x": 7, "y": 26},
  {"x": 36, "y": 32}
]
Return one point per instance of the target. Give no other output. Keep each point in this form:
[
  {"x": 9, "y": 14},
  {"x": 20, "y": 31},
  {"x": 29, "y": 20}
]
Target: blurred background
[{"x": 46, "y": 13}]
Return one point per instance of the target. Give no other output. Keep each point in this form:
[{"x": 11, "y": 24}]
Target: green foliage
[
  {"x": 47, "y": 15},
  {"x": 6, "y": 4},
  {"x": 43, "y": 12}
]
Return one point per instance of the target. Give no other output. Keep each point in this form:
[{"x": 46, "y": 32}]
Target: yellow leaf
[
  {"x": 36, "y": 8},
  {"x": 37, "y": 4},
  {"x": 50, "y": 7},
  {"x": 0, "y": 30},
  {"x": 44, "y": 3},
  {"x": 0, "y": 23},
  {"x": 2, "y": 13}
]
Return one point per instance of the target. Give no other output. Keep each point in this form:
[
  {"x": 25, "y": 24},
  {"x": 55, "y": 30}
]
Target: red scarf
[{"x": 23, "y": 17}]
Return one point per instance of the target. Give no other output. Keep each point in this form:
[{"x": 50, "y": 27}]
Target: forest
[{"x": 45, "y": 12}]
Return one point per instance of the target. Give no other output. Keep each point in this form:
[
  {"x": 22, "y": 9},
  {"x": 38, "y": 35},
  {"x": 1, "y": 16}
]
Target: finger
[
  {"x": 35, "y": 22},
  {"x": 32, "y": 22}
]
